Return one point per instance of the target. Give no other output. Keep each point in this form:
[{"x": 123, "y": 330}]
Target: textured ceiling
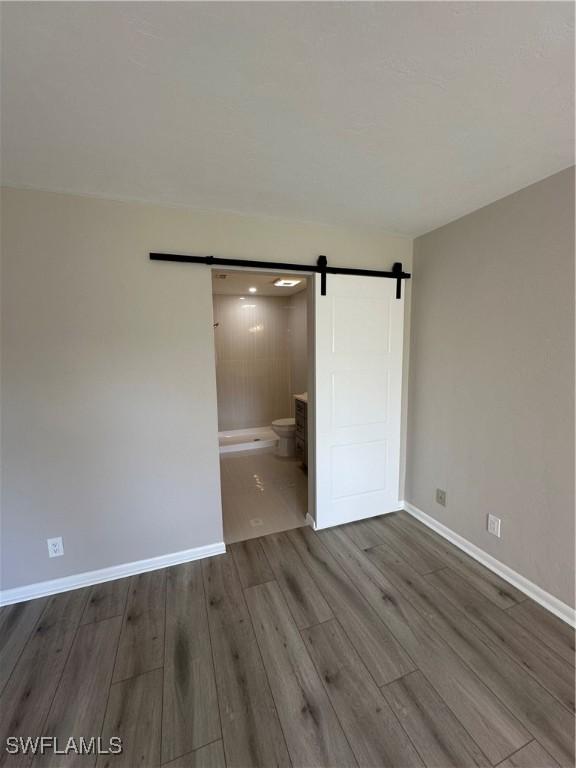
[{"x": 396, "y": 116}]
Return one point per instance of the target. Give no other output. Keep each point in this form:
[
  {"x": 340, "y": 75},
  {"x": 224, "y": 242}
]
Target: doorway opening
[{"x": 263, "y": 329}]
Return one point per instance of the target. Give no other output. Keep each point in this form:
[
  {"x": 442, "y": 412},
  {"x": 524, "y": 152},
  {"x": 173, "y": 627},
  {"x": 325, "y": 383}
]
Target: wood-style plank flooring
[{"x": 372, "y": 644}]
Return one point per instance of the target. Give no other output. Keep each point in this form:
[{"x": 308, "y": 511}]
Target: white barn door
[{"x": 358, "y": 389}]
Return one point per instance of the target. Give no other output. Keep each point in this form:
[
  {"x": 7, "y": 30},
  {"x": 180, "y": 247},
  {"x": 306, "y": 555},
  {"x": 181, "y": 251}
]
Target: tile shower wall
[
  {"x": 298, "y": 339},
  {"x": 253, "y": 361}
]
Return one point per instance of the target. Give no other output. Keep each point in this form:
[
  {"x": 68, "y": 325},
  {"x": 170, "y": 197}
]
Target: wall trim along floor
[
  {"x": 310, "y": 521},
  {"x": 539, "y": 595},
  {"x": 89, "y": 578}
]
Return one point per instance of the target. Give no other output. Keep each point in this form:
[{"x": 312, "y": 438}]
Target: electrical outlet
[
  {"x": 440, "y": 497},
  {"x": 55, "y": 547},
  {"x": 494, "y": 525}
]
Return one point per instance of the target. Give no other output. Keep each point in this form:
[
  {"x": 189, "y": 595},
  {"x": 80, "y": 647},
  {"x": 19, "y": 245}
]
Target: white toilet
[{"x": 286, "y": 431}]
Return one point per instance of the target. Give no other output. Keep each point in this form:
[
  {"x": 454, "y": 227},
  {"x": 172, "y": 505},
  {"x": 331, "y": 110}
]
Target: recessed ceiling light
[
  {"x": 252, "y": 289},
  {"x": 242, "y": 298},
  {"x": 286, "y": 283}
]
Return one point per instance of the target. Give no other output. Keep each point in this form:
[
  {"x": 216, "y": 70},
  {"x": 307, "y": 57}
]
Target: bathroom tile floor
[{"x": 261, "y": 494}]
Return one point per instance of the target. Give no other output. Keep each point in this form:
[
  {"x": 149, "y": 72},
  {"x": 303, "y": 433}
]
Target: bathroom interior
[{"x": 261, "y": 347}]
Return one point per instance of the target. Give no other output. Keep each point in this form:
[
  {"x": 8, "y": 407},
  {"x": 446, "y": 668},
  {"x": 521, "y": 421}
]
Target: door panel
[
  {"x": 348, "y": 410},
  {"x": 358, "y": 374}
]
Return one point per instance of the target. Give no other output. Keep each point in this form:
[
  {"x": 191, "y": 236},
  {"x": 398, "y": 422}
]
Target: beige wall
[
  {"x": 108, "y": 387},
  {"x": 491, "y": 392}
]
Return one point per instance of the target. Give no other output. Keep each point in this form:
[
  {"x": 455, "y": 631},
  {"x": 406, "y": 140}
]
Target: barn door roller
[{"x": 321, "y": 266}]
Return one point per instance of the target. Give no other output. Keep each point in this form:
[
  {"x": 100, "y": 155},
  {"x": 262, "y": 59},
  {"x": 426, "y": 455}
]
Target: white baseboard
[
  {"x": 310, "y": 521},
  {"x": 545, "y": 599},
  {"x": 89, "y": 578}
]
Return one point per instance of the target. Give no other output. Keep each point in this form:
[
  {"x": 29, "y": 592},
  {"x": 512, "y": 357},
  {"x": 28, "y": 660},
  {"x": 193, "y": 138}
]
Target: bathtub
[{"x": 246, "y": 439}]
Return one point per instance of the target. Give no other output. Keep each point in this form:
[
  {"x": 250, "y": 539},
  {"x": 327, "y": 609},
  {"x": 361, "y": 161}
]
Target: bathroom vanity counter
[{"x": 301, "y": 417}]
